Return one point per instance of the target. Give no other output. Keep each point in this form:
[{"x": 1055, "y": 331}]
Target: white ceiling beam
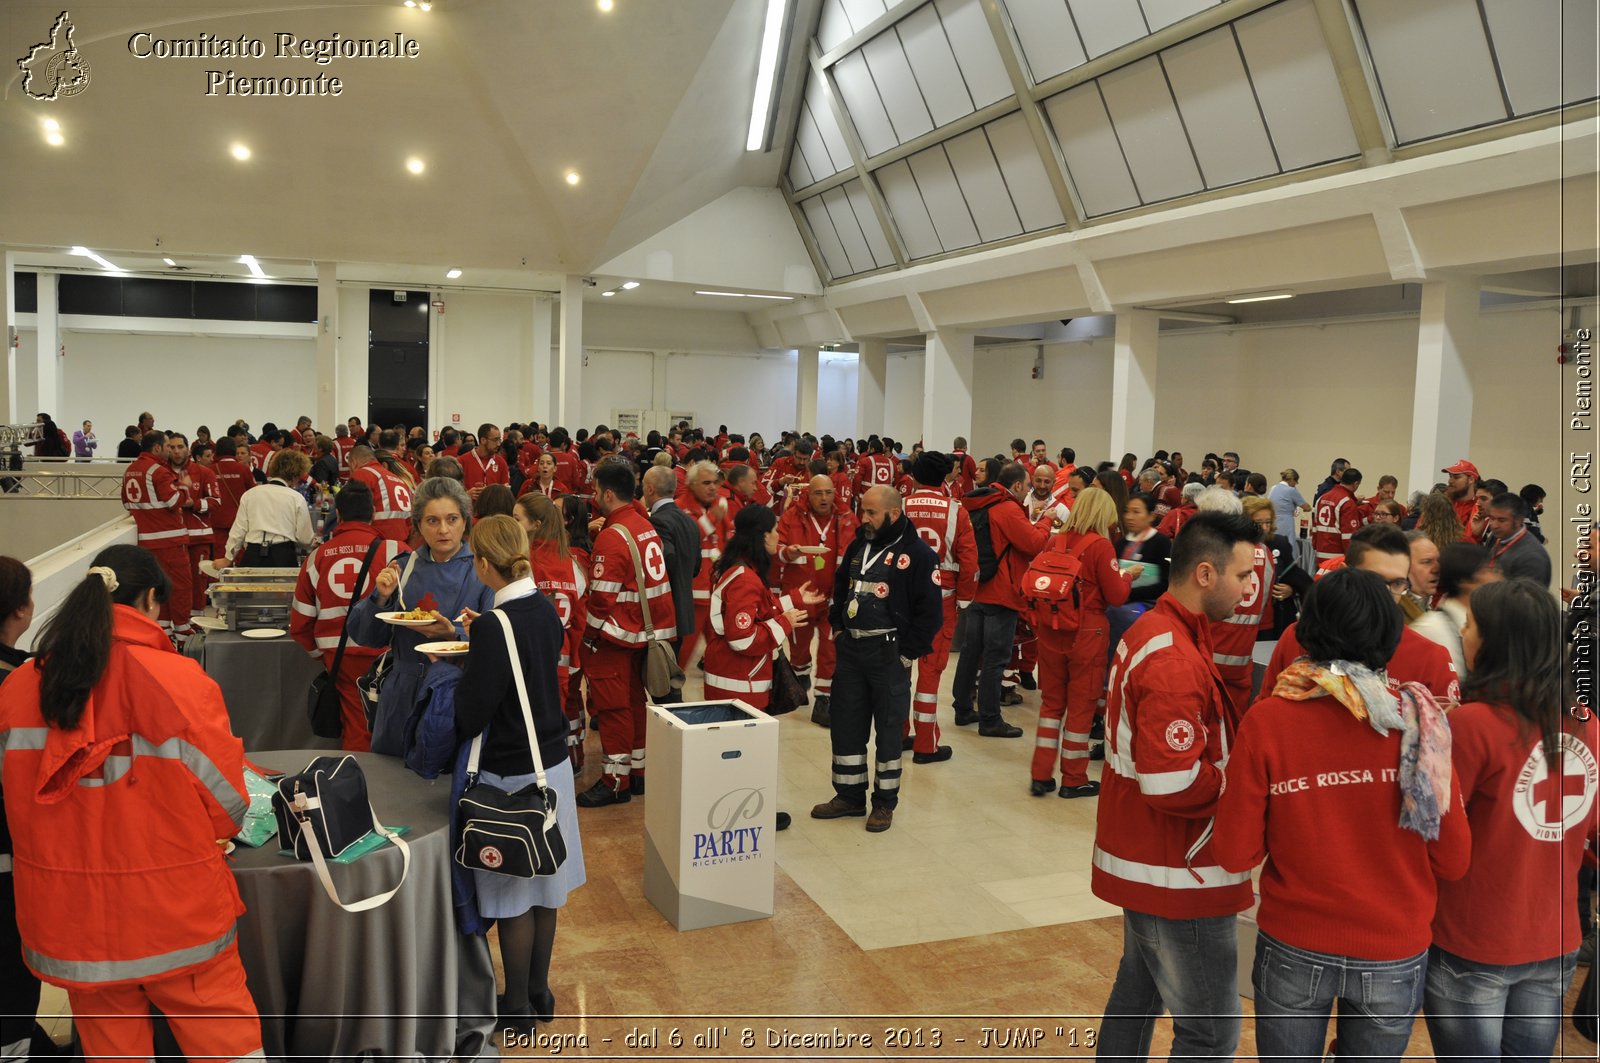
[
  {"x": 1357, "y": 81},
  {"x": 1399, "y": 249}
]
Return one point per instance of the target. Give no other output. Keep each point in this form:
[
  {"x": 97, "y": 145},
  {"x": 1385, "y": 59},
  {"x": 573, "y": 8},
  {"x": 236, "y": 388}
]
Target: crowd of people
[{"x": 1382, "y": 706}]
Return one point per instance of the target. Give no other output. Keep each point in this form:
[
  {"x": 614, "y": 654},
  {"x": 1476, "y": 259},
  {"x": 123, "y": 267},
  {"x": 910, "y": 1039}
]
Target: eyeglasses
[{"x": 1399, "y": 586}]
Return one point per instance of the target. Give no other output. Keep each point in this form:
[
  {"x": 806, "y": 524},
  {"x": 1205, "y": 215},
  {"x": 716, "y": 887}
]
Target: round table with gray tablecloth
[
  {"x": 396, "y": 982},
  {"x": 264, "y": 684}
]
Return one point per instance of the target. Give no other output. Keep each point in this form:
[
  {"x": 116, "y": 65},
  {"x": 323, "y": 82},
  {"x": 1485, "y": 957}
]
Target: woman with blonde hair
[
  {"x": 273, "y": 518},
  {"x": 489, "y": 707},
  {"x": 564, "y": 579},
  {"x": 1436, "y": 518},
  {"x": 1072, "y": 660}
]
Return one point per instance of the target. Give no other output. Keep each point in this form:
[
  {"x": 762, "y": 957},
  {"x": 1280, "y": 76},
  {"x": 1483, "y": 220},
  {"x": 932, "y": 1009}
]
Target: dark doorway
[{"x": 397, "y": 357}]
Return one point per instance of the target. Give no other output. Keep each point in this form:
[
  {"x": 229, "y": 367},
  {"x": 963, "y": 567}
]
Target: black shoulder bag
[{"x": 322, "y": 703}]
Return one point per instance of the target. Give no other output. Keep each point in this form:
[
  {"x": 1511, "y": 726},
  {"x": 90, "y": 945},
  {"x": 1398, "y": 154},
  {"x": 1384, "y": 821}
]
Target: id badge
[{"x": 852, "y": 609}]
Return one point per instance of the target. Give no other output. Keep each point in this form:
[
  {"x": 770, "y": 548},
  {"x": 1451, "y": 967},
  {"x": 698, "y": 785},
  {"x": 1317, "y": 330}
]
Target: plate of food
[
  {"x": 443, "y": 649},
  {"x": 817, "y": 551},
  {"x": 410, "y": 618}
]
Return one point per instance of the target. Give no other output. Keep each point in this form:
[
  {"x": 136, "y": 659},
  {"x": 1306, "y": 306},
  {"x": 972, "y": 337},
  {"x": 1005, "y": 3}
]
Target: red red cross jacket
[
  {"x": 342, "y": 446},
  {"x": 156, "y": 721},
  {"x": 233, "y": 480},
  {"x": 391, "y": 501},
  {"x": 326, "y": 586},
  {"x": 571, "y": 470},
  {"x": 1167, "y": 740},
  {"x": 1233, "y": 640},
  {"x": 481, "y": 472},
  {"x": 876, "y": 470},
  {"x": 151, "y": 494},
  {"x": 966, "y": 472},
  {"x": 747, "y": 627},
  {"x": 204, "y": 497},
  {"x": 1416, "y": 660},
  {"x": 798, "y": 527},
  {"x": 565, "y": 581},
  {"x": 942, "y": 522},
  {"x": 615, "y": 611},
  {"x": 716, "y": 525},
  {"x": 1336, "y": 517},
  {"x": 528, "y": 458}
]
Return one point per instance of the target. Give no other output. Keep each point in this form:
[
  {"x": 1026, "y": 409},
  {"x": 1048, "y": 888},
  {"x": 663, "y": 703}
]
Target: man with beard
[{"x": 887, "y": 609}]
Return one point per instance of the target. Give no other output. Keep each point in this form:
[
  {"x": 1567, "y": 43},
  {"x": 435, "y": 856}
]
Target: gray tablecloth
[
  {"x": 264, "y": 682},
  {"x": 390, "y": 982}
]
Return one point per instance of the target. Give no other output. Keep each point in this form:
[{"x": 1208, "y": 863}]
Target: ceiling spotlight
[
  {"x": 240, "y": 152},
  {"x": 169, "y": 262},
  {"x": 255, "y": 267},
  {"x": 102, "y": 263},
  {"x": 606, "y": 5},
  {"x": 54, "y": 139},
  {"x": 411, "y": 3},
  {"x": 572, "y": 177},
  {"x": 51, "y": 125},
  {"x": 629, "y": 286},
  {"x": 425, "y": 5},
  {"x": 1263, "y": 297},
  {"x": 452, "y": 274},
  {"x": 607, "y": 295},
  {"x": 415, "y": 165}
]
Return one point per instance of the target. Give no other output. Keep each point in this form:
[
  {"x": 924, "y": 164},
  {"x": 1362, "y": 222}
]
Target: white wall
[
  {"x": 350, "y": 396},
  {"x": 480, "y": 359},
  {"x": 836, "y": 395},
  {"x": 902, "y": 394}
]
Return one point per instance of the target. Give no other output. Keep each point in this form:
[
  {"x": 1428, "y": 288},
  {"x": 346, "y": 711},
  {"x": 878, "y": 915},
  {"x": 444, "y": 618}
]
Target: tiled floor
[{"x": 974, "y": 911}]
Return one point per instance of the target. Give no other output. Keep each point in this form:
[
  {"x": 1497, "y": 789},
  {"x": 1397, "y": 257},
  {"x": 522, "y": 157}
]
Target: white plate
[
  {"x": 444, "y": 649},
  {"x": 264, "y": 633},
  {"x": 816, "y": 551},
  {"x": 395, "y": 619},
  {"x": 207, "y": 569},
  {"x": 209, "y": 623}
]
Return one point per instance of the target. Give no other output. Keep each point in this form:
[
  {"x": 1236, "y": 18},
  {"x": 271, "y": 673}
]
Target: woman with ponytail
[
  {"x": 117, "y": 754},
  {"x": 488, "y": 704}
]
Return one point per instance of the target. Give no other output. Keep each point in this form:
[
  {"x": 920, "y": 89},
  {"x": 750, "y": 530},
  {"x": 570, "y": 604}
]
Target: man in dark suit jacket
[{"x": 681, "y": 536}]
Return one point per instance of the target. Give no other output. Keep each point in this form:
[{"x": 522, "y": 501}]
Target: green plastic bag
[{"x": 259, "y": 822}]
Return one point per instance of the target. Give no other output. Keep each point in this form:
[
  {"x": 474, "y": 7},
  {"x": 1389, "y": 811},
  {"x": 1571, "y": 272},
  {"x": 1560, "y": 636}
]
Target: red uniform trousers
[
  {"x": 208, "y": 1007},
  {"x": 800, "y": 650},
  {"x": 354, "y": 737},
  {"x": 702, "y": 624},
  {"x": 925, "y": 697},
  {"x": 199, "y": 550},
  {"x": 616, "y": 697},
  {"x": 1072, "y": 677},
  {"x": 174, "y": 561}
]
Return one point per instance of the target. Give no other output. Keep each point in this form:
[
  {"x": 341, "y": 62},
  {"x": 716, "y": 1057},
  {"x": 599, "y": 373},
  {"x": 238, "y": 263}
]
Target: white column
[
  {"x": 542, "y": 399},
  {"x": 569, "y": 374},
  {"x": 658, "y": 395},
  {"x": 947, "y": 388},
  {"x": 1133, "y": 383},
  {"x": 8, "y": 330},
  {"x": 805, "y": 396},
  {"x": 1441, "y": 412},
  {"x": 328, "y": 397},
  {"x": 51, "y": 391},
  {"x": 872, "y": 375}
]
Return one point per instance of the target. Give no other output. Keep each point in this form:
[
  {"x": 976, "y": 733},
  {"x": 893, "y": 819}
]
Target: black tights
[{"x": 526, "y": 943}]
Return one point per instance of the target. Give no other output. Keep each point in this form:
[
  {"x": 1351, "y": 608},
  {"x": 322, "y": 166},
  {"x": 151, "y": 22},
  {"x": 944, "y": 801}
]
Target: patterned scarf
[{"x": 1424, "y": 731}]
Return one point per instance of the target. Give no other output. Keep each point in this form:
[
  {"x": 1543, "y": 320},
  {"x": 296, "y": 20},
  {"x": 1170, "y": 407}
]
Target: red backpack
[{"x": 1051, "y": 587}]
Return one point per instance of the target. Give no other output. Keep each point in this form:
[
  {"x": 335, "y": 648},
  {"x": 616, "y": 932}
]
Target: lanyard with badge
[{"x": 868, "y": 559}]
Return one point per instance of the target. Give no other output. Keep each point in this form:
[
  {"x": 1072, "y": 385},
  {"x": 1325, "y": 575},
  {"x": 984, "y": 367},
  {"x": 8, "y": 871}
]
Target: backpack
[
  {"x": 988, "y": 560},
  {"x": 1051, "y": 588},
  {"x": 430, "y": 734}
]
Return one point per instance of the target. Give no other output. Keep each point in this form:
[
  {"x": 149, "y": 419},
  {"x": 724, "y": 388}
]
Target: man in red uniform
[
  {"x": 1233, "y": 640},
  {"x": 391, "y": 496},
  {"x": 941, "y": 522},
  {"x": 1336, "y": 516},
  {"x": 268, "y": 443},
  {"x": 570, "y": 468},
  {"x": 202, "y": 495},
  {"x": 343, "y": 444},
  {"x": 1168, "y": 732},
  {"x": 812, "y": 536},
  {"x": 233, "y": 480},
  {"x": 790, "y": 469},
  {"x": 483, "y": 464},
  {"x": 614, "y": 640},
  {"x": 1384, "y": 549},
  {"x": 712, "y": 515},
  {"x": 877, "y": 469},
  {"x": 322, "y": 598},
  {"x": 154, "y": 498},
  {"x": 1461, "y": 489},
  {"x": 1019, "y": 454}
]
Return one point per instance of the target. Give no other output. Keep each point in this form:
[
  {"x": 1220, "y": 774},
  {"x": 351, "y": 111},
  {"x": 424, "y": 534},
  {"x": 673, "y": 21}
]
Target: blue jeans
[
  {"x": 1295, "y": 991},
  {"x": 990, "y": 630},
  {"x": 1485, "y": 1011},
  {"x": 1186, "y": 966}
]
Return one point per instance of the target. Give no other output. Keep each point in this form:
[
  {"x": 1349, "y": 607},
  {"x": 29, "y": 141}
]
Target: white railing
[{"x": 58, "y": 570}]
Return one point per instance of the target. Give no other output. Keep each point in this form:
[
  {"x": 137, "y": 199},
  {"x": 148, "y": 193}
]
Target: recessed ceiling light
[
  {"x": 169, "y": 262},
  {"x": 51, "y": 125},
  {"x": 606, "y": 5},
  {"x": 54, "y": 139},
  {"x": 747, "y": 295},
  {"x": 1264, "y": 297},
  {"x": 766, "y": 75},
  {"x": 102, "y": 263},
  {"x": 240, "y": 152},
  {"x": 411, "y": 3},
  {"x": 255, "y": 267},
  {"x": 629, "y": 286},
  {"x": 781, "y": 298},
  {"x": 607, "y": 295},
  {"x": 572, "y": 177},
  {"x": 425, "y": 5},
  {"x": 452, "y": 273},
  {"x": 415, "y": 165}
]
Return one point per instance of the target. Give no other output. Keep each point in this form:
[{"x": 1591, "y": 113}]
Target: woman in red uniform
[
  {"x": 749, "y": 623},
  {"x": 564, "y": 579},
  {"x": 575, "y": 514},
  {"x": 545, "y": 481},
  {"x": 1505, "y": 936},
  {"x": 118, "y": 755},
  {"x": 1072, "y": 664}
]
